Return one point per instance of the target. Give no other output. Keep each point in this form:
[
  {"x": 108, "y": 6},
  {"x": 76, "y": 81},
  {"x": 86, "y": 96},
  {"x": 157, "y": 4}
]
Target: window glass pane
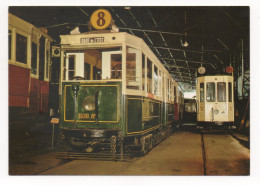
[
  {"x": 132, "y": 79},
  {"x": 159, "y": 83},
  {"x": 34, "y": 58},
  {"x": 170, "y": 90},
  {"x": 155, "y": 79},
  {"x": 21, "y": 48},
  {"x": 93, "y": 57},
  {"x": 201, "y": 92},
  {"x": 143, "y": 72},
  {"x": 211, "y": 92},
  {"x": 71, "y": 66},
  {"x": 116, "y": 66},
  {"x": 230, "y": 92},
  {"x": 221, "y": 87},
  {"x": 9, "y": 44},
  {"x": 149, "y": 76}
]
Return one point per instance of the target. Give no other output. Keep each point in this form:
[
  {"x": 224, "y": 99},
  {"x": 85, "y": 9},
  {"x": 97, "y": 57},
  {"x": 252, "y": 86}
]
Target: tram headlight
[
  {"x": 216, "y": 111},
  {"x": 89, "y": 103}
]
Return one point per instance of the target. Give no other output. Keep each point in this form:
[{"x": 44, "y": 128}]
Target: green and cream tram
[{"x": 113, "y": 89}]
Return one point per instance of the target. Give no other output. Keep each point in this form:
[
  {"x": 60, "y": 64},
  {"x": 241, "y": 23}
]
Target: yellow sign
[
  {"x": 100, "y": 19},
  {"x": 87, "y": 116}
]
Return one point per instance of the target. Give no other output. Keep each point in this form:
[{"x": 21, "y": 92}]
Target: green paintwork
[
  {"x": 133, "y": 115},
  {"x": 109, "y": 99}
]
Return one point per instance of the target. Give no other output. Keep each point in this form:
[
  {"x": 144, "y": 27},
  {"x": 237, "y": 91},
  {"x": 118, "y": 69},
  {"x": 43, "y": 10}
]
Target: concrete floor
[{"x": 179, "y": 154}]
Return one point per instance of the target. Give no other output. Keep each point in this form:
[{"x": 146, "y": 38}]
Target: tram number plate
[{"x": 92, "y": 40}]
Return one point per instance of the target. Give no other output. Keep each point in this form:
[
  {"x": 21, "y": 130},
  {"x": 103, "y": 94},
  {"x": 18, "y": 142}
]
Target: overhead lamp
[
  {"x": 185, "y": 44},
  {"x": 127, "y": 8}
]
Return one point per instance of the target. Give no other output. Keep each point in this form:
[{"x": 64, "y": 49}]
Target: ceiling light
[
  {"x": 127, "y": 8},
  {"x": 185, "y": 44}
]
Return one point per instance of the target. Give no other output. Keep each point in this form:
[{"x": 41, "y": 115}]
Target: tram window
[
  {"x": 9, "y": 44},
  {"x": 21, "y": 49},
  {"x": 211, "y": 92},
  {"x": 143, "y": 72},
  {"x": 132, "y": 79},
  {"x": 34, "y": 58},
  {"x": 116, "y": 66},
  {"x": 230, "y": 92},
  {"x": 159, "y": 83},
  {"x": 221, "y": 87},
  {"x": 71, "y": 69},
  {"x": 201, "y": 92},
  {"x": 168, "y": 88},
  {"x": 93, "y": 59},
  {"x": 149, "y": 76},
  {"x": 155, "y": 78}
]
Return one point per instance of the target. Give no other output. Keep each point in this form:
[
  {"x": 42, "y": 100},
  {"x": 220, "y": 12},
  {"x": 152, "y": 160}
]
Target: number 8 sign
[{"x": 100, "y": 19}]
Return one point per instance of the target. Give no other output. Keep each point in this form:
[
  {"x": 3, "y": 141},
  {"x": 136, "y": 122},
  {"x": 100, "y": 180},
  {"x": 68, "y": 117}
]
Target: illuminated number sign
[{"x": 100, "y": 19}]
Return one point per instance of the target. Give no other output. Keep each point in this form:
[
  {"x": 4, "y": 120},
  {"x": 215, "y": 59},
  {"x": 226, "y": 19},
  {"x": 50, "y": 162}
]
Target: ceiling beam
[{"x": 181, "y": 50}]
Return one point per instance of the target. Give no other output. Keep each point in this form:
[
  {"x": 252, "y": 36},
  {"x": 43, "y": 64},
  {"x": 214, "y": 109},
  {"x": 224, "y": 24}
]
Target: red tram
[{"x": 29, "y": 61}]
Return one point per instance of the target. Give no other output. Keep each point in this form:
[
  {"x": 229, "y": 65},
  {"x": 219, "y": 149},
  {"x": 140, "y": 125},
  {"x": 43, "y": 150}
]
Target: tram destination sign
[{"x": 92, "y": 40}]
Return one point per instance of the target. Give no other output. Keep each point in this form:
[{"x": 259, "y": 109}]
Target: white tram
[{"x": 215, "y": 100}]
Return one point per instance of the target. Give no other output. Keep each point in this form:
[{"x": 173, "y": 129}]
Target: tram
[
  {"x": 215, "y": 101},
  {"x": 28, "y": 61},
  {"x": 113, "y": 91}
]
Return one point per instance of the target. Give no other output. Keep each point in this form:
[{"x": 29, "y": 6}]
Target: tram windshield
[
  {"x": 221, "y": 87},
  {"x": 210, "y": 92},
  {"x": 93, "y": 64}
]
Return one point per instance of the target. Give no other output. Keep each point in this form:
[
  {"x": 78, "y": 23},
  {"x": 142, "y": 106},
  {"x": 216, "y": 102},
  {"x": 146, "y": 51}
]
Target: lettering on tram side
[
  {"x": 87, "y": 116},
  {"x": 92, "y": 40}
]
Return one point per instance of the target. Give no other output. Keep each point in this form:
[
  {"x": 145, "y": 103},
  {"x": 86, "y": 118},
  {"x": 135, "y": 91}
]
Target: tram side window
[
  {"x": 155, "y": 78},
  {"x": 221, "y": 88},
  {"x": 169, "y": 89},
  {"x": 201, "y": 92},
  {"x": 149, "y": 76},
  {"x": 34, "y": 58},
  {"x": 210, "y": 92},
  {"x": 9, "y": 44},
  {"x": 71, "y": 69},
  {"x": 159, "y": 83},
  {"x": 143, "y": 72},
  {"x": 21, "y": 49},
  {"x": 132, "y": 74},
  {"x": 230, "y": 92}
]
